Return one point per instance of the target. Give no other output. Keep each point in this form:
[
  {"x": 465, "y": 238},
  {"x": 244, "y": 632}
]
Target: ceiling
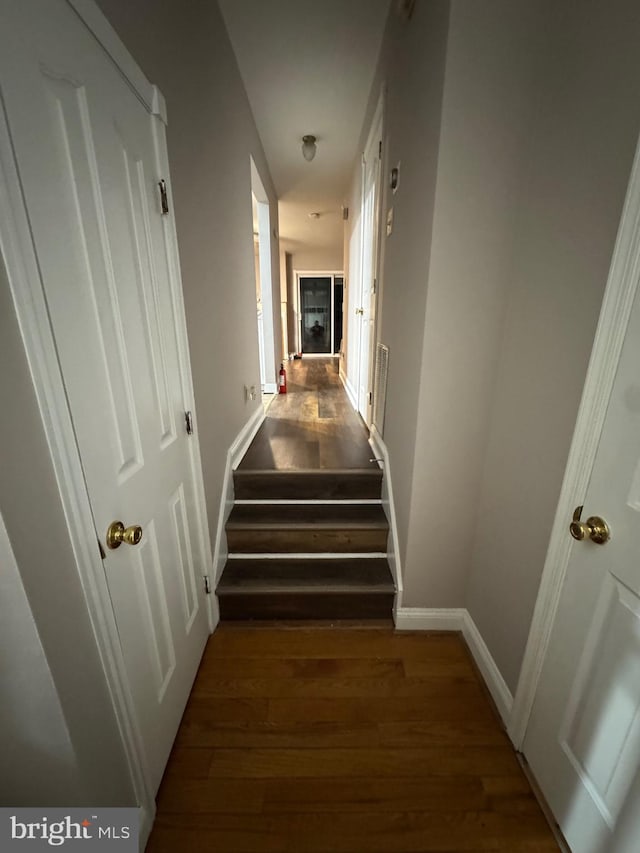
[{"x": 308, "y": 66}]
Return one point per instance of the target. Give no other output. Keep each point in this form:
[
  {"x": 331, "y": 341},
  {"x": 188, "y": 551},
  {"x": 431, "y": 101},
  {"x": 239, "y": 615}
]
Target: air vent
[{"x": 380, "y": 386}]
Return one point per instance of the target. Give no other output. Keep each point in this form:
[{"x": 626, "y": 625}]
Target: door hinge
[
  {"x": 375, "y": 286},
  {"x": 164, "y": 199},
  {"x": 370, "y": 398},
  {"x": 207, "y": 585},
  {"x": 380, "y": 150},
  {"x": 188, "y": 419}
]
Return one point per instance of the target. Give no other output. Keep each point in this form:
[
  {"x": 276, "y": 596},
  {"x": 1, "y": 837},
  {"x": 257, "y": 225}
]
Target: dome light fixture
[{"x": 309, "y": 147}]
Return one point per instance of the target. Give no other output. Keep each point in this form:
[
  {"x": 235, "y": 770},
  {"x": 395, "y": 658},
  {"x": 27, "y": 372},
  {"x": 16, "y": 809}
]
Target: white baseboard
[
  {"x": 146, "y": 825},
  {"x": 441, "y": 619},
  {"x": 234, "y": 456},
  {"x": 348, "y": 387},
  {"x": 245, "y": 436},
  {"x": 270, "y": 388},
  {"x": 429, "y": 619},
  {"x": 500, "y": 693},
  {"x": 380, "y": 451}
]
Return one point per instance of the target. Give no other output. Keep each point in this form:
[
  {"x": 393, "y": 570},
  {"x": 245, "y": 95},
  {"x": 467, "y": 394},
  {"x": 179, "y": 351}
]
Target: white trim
[
  {"x": 270, "y": 388},
  {"x": 370, "y": 243},
  {"x": 348, "y": 387},
  {"x": 318, "y": 274},
  {"x": 186, "y": 380},
  {"x": 393, "y": 549},
  {"x": 31, "y": 310},
  {"x": 235, "y": 453},
  {"x": 308, "y": 355},
  {"x": 459, "y": 619},
  {"x": 245, "y": 437},
  {"x": 310, "y": 502},
  {"x": 98, "y": 24},
  {"x": 429, "y": 619},
  {"x": 316, "y": 555},
  {"x": 486, "y": 664},
  {"x": 612, "y": 325}
]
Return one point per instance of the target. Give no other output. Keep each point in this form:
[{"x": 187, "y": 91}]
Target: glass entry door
[
  {"x": 320, "y": 301},
  {"x": 316, "y": 313}
]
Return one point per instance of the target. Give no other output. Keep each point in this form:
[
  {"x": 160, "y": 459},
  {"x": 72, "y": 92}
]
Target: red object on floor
[{"x": 282, "y": 384}]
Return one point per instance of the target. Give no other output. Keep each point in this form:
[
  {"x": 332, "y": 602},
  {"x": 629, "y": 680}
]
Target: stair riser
[
  {"x": 306, "y": 487},
  {"x": 306, "y": 541},
  {"x": 303, "y": 606}
]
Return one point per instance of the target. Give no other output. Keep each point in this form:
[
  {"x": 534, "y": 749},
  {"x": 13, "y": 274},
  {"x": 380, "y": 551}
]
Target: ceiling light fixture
[{"x": 309, "y": 147}]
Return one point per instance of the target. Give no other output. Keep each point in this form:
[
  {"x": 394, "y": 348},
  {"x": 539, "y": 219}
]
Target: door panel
[
  {"x": 583, "y": 738},
  {"x": 87, "y": 153}
]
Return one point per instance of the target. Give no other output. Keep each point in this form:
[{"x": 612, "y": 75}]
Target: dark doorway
[{"x": 321, "y": 298}]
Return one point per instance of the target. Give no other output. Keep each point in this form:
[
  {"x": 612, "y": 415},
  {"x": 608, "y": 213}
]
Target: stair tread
[
  {"x": 315, "y": 516},
  {"x": 306, "y": 575}
]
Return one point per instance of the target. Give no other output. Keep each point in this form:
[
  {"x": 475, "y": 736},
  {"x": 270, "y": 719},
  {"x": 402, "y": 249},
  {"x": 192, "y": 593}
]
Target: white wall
[
  {"x": 185, "y": 50},
  {"x": 511, "y": 189},
  {"x": 411, "y": 68},
  {"x": 581, "y": 149},
  {"x": 318, "y": 260},
  {"x": 34, "y": 738},
  {"x": 486, "y": 120}
]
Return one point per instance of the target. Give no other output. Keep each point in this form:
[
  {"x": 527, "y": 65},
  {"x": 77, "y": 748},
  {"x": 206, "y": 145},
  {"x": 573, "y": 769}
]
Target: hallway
[
  {"x": 307, "y": 536},
  {"x": 312, "y": 426},
  {"x": 343, "y": 739}
]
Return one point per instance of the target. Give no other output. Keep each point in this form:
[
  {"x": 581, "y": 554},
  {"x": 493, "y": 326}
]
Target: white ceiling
[{"x": 308, "y": 66}]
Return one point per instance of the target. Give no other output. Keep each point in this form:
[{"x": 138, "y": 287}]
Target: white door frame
[
  {"x": 333, "y": 274},
  {"x": 24, "y": 279},
  {"x": 270, "y": 346},
  {"x": 614, "y": 317},
  {"x": 370, "y": 243}
]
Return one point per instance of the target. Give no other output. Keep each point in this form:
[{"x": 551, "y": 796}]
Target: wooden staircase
[{"x": 306, "y": 545}]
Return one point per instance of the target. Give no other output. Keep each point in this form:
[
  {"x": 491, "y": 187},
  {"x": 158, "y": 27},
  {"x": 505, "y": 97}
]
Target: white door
[
  {"x": 90, "y": 157},
  {"x": 583, "y": 738},
  {"x": 365, "y": 313}
]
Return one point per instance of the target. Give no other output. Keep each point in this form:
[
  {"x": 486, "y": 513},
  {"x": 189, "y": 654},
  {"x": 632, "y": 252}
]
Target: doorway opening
[
  {"x": 320, "y": 300},
  {"x": 364, "y": 254},
  {"x": 264, "y": 284}
]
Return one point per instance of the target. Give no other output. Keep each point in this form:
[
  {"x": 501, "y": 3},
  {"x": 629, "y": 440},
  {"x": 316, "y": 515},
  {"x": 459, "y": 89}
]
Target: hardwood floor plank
[
  {"x": 212, "y": 796},
  {"x": 392, "y": 709},
  {"x": 338, "y": 739},
  {"x": 362, "y": 793},
  {"x": 357, "y": 832},
  {"x": 377, "y": 762},
  {"x": 222, "y": 710},
  {"x": 468, "y": 731},
  {"x": 239, "y": 668},
  {"x": 337, "y": 643},
  {"x": 341, "y": 688},
  {"x": 304, "y": 735}
]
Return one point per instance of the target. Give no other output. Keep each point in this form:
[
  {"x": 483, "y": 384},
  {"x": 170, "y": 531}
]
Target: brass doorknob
[
  {"x": 594, "y": 528},
  {"x": 118, "y": 533}
]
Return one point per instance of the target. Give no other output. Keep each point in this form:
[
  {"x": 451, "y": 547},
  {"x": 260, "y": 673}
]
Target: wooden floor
[
  {"x": 334, "y": 739},
  {"x": 312, "y": 426}
]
